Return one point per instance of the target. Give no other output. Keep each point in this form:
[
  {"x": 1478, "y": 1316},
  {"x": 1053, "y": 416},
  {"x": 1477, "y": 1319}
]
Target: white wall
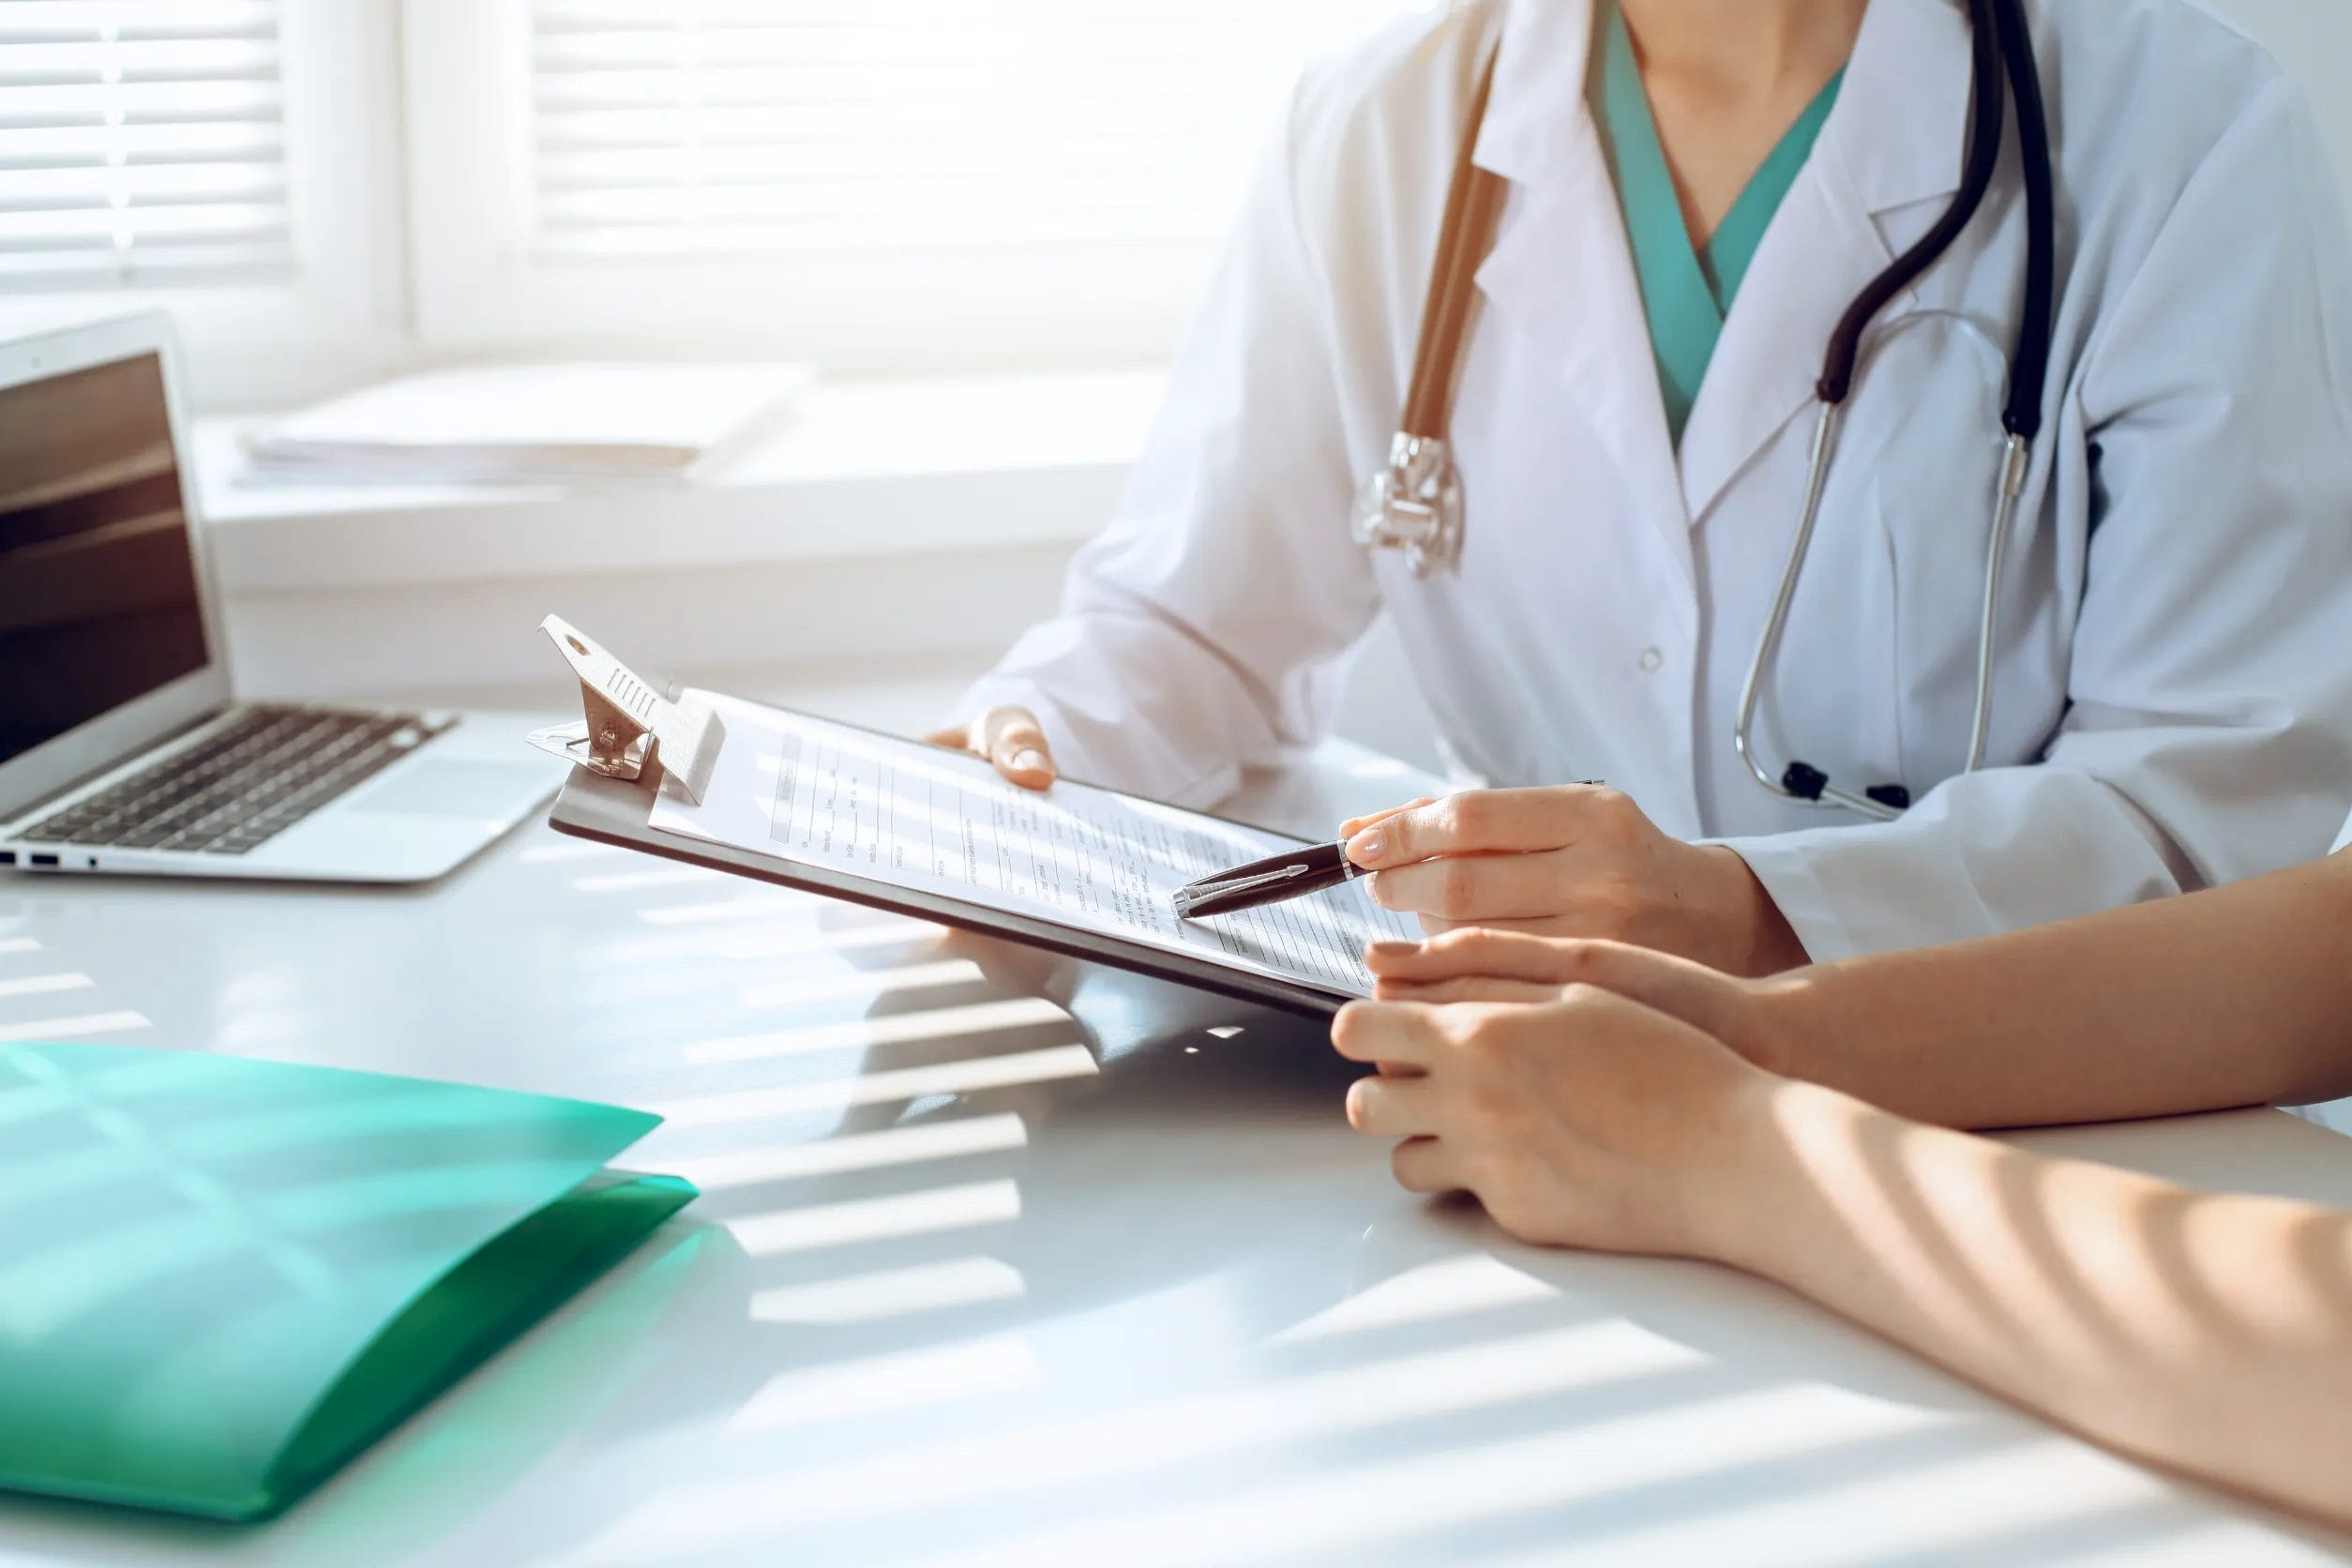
[{"x": 2313, "y": 38}]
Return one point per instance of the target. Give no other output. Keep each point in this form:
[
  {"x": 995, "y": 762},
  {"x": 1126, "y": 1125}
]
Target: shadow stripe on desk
[
  {"x": 748, "y": 906},
  {"x": 565, "y": 852},
  {"x": 860, "y": 984},
  {"x": 906, "y": 1380},
  {"x": 778, "y": 944},
  {"x": 637, "y": 880},
  {"x": 1577, "y": 1360}
]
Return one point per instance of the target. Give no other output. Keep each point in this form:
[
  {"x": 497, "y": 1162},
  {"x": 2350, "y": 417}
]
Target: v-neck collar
[
  {"x": 1687, "y": 290},
  {"x": 1561, "y": 280},
  {"x": 1736, "y": 239},
  {"x": 1685, "y": 317}
]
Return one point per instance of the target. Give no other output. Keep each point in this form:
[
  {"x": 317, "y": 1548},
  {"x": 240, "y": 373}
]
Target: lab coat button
[{"x": 1652, "y": 661}]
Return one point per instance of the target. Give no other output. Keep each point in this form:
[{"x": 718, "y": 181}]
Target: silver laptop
[{"x": 121, "y": 748}]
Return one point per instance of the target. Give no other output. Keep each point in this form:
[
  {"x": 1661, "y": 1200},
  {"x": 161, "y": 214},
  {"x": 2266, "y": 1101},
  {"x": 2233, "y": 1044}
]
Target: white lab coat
[{"x": 2174, "y": 684}]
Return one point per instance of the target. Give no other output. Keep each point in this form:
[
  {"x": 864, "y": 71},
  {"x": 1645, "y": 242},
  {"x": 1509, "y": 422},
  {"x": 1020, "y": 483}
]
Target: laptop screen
[{"x": 98, "y": 589}]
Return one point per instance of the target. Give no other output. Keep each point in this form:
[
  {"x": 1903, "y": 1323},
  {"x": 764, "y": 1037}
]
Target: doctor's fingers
[
  {"x": 1355, "y": 826},
  {"x": 1488, "y": 822},
  {"x": 1014, "y": 740},
  {"x": 1481, "y": 887}
]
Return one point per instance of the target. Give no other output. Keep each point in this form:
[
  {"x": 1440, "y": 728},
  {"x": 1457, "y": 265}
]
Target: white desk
[{"x": 1142, "y": 1298}]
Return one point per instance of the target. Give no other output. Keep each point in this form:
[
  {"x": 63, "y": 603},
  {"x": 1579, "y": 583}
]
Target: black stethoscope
[{"x": 1414, "y": 502}]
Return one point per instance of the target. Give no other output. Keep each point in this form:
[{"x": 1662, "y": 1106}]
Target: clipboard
[{"x": 609, "y": 797}]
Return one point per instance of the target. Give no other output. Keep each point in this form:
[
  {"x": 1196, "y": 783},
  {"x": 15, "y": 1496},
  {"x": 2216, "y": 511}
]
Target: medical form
[{"x": 912, "y": 816}]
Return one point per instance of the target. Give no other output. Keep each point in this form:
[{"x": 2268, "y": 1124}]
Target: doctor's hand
[
  {"x": 1009, "y": 737},
  {"x": 1573, "y": 861},
  {"x": 1586, "y": 1120}
]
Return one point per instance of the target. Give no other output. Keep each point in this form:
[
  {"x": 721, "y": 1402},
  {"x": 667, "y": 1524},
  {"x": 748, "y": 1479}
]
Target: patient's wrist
[
  {"x": 1780, "y": 1026},
  {"x": 1743, "y": 1218}
]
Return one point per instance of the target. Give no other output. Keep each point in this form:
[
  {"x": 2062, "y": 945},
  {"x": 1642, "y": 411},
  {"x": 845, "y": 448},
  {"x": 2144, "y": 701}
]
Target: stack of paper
[{"x": 528, "y": 424}]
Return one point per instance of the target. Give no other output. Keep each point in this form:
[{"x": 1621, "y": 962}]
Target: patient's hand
[
  {"x": 1582, "y": 1120},
  {"x": 1476, "y": 964}
]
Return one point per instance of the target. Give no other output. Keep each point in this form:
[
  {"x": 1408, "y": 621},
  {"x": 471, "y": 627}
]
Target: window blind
[
  {"x": 692, "y": 128},
  {"x": 142, "y": 142}
]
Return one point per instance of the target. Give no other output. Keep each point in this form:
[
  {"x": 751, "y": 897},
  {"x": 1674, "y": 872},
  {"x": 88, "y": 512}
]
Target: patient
[{"x": 1603, "y": 1097}]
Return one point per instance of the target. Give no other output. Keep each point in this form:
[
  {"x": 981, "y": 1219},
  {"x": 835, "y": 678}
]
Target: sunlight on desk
[
  {"x": 901, "y": 1380},
  {"x": 892, "y": 1146},
  {"x": 850, "y": 938},
  {"x": 892, "y": 1293},
  {"x": 74, "y": 1026},
  {"x": 978, "y": 1020},
  {"x": 861, "y": 984},
  {"x": 886, "y": 1087},
  {"x": 916, "y": 1214},
  {"x": 745, "y": 907},
  {"x": 1059, "y": 1455},
  {"x": 638, "y": 881},
  {"x": 44, "y": 984},
  {"x": 1449, "y": 1287}
]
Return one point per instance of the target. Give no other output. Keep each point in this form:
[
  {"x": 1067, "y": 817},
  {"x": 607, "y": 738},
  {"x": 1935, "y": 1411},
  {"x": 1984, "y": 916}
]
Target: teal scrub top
[{"x": 1686, "y": 289}]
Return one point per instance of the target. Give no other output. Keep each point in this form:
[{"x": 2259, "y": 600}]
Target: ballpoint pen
[{"x": 1292, "y": 874}]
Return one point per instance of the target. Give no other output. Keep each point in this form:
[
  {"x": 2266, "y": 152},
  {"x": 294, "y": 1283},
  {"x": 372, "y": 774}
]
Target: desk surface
[{"x": 1002, "y": 1260}]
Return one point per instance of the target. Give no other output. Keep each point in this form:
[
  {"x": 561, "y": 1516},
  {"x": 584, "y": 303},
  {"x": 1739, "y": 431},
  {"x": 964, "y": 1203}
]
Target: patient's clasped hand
[{"x": 1601, "y": 1095}]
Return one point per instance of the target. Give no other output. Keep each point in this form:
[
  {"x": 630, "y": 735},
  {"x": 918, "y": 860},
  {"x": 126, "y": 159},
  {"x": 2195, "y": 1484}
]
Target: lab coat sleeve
[
  {"x": 2210, "y": 678},
  {"x": 1205, "y": 630}
]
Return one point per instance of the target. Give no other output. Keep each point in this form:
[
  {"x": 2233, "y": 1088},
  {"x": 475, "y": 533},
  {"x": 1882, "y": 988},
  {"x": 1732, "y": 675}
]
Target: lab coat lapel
[
  {"x": 1893, "y": 139},
  {"x": 1561, "y": 279}
]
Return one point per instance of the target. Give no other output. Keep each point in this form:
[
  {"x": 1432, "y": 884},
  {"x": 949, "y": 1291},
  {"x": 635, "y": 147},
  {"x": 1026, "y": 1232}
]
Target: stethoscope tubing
[
  {"x": 2002, "y": 43},
  {"x": 1414, "y": 503},
  {"x": 1825, "y": 429}
]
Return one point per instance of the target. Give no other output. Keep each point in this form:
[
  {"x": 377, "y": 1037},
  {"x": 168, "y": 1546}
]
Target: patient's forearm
[
  {"x": 2210, "y": 1334},
  {"x": 2239, "y": 996}
]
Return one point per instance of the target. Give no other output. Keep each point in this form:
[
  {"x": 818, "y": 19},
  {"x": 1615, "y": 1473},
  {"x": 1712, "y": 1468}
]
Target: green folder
[{"x": 220, "y": 1278}]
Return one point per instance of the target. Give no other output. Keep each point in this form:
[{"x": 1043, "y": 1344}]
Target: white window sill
[{"x": 857, "y": 470}]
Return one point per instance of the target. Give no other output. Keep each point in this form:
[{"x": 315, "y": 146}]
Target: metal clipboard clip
[{"x": 630, "y": 726}]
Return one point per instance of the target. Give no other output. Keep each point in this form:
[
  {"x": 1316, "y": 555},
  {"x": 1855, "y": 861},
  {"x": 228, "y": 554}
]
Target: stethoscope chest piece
[{"x": 1414, "y": 504}]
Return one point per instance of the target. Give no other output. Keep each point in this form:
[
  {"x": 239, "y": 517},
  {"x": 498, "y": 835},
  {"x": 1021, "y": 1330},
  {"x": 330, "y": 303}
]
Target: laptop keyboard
[{"x": 241, "y": 786}]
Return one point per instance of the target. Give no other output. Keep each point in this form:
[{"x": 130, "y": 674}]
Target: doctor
[{"x": 1690, "y": 197}]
